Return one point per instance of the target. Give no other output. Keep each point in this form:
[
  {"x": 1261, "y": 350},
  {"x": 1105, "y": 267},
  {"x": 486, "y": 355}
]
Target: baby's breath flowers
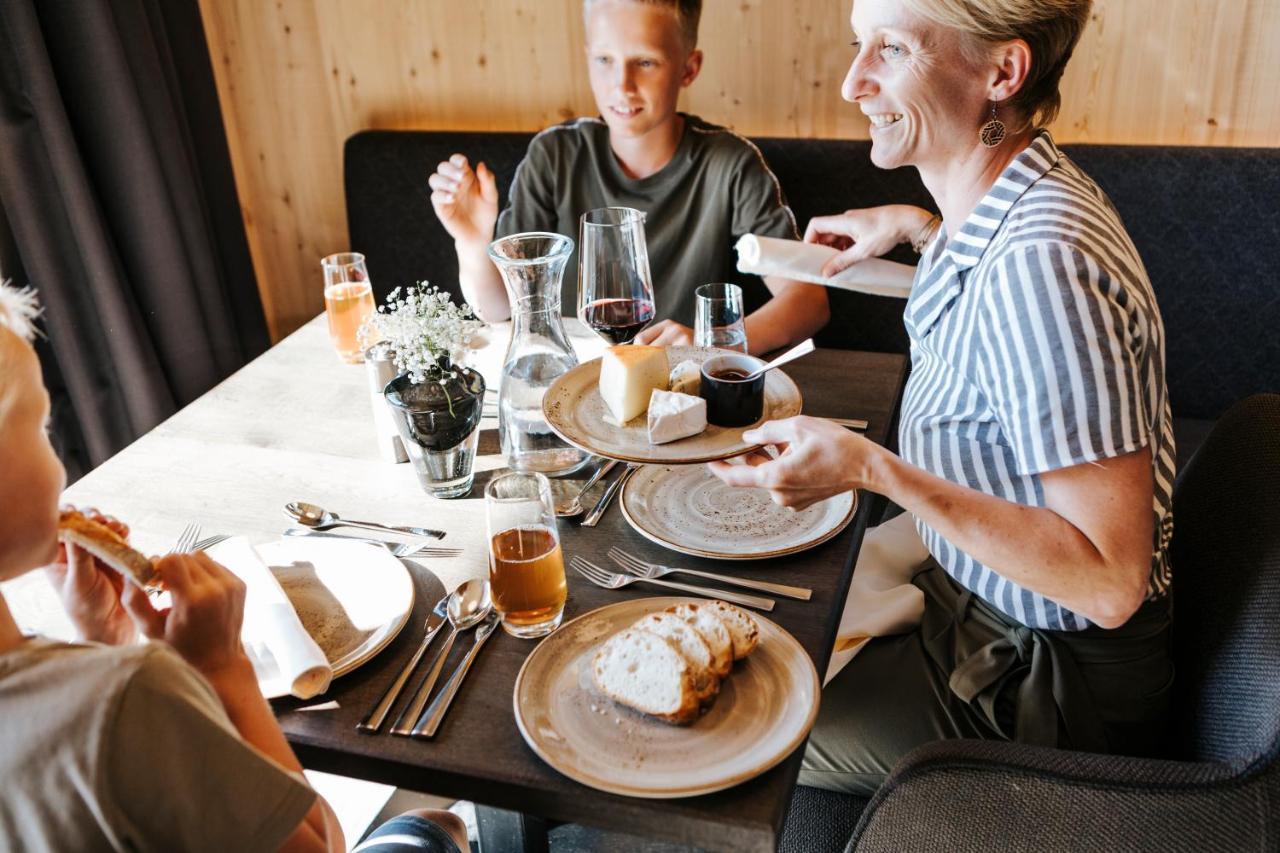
[{"x": 425, "y": 330}]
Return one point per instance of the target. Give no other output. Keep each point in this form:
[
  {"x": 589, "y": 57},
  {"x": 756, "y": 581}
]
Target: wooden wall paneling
[{"x": 297, "y": 77}]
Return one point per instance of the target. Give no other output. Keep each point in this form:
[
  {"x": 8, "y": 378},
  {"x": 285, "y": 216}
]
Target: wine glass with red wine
[{"x": 615, "y": 289}]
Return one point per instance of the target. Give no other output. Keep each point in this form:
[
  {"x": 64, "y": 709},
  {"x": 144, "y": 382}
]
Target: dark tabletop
[{"x": 479, "y": 754}]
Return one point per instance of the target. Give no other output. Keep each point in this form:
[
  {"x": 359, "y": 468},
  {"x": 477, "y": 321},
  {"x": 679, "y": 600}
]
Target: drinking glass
[
  {"x": 348, "y": 302},
  {"x": 526, "y": 566},
  {"x": 615, "y": 289},
  {"x": 718, "y": 317}
]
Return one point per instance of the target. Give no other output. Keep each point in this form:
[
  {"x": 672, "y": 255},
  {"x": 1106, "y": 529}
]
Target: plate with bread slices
[
  {"x": 666, "y": 697},
  {"x": 643, "y": 404},
  {"x": 690, "y": 510}
]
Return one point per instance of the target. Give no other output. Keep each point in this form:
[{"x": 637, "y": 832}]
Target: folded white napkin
[
  {"x": 804, "y": 261},
  {"x": 277, "y": 644},
  {"x": 882, "y": 600}
]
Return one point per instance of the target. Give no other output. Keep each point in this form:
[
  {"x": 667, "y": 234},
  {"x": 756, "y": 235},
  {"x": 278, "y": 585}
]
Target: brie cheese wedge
[
  {"x": 628, "y": 375},
  {"x": 686, "y": 378},
  {"x": 674, "y": 416}
]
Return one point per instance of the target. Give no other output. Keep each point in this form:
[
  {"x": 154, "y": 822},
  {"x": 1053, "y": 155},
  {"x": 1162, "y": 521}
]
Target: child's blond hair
[
  {"x": 19, "y": 310},
  {"x": 687, "y": 13}
]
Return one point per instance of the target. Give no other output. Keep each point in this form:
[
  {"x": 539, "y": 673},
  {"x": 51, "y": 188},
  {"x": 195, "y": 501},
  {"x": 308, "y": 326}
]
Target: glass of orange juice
[
  {"x": 526, "y": 565},
  {"x": 348, "y": 302}
]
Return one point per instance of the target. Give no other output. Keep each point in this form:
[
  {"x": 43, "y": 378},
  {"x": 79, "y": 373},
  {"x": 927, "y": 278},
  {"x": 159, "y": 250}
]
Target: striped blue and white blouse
[{"x": 1036, "y": 345}]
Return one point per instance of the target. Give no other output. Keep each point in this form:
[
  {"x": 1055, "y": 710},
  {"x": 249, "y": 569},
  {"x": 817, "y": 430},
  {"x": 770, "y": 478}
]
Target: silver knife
[
  {"x": 378, "y": 715},
  {"x": 434, "y": 715},
  {"x": 593, "y": 518}
]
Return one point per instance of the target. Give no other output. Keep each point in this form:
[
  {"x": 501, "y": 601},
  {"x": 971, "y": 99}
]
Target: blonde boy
[{"x": 700, "y": 185}]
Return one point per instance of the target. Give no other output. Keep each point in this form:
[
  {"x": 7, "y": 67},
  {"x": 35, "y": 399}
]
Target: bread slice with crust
[
  {"x": 713, "y": 632},
  {"x": 742, "y": 627},
  {"x": 105, "y": 544},
  {"x": 690, "y": 644},
  {"x": 645, "y": 671}
]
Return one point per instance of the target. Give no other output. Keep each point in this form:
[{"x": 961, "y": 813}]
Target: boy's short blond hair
[
  {"x": 687, "y": 12},
  {"x": 19, "y": 310}
]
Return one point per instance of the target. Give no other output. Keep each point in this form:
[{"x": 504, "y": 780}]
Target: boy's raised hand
[
  {"x": 203, "y": 624},
  {"x": 465, "y": 200},
  {"x": 91, "y": 592}
]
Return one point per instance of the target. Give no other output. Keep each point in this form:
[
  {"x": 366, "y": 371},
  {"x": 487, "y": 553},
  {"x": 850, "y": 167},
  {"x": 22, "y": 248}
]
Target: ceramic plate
[
  {"x": 763, "y": 711},
  {"x": 687, "y": 509},
  {"x": 352, "y": 597},
  {"x": 574, "y": 409}
]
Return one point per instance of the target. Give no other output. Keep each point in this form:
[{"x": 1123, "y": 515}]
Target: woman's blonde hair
[{"x": 1050, "y": 27}]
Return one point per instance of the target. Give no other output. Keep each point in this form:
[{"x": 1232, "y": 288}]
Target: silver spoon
[
  {"x": 468, "y": 606},
  {"x": 319, "y": 518},
  {"x": 800, "y": 349},
  {"x": 570, "y": 508}
]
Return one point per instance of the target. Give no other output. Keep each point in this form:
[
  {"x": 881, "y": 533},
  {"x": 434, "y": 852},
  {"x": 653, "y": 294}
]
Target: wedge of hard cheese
[
  {"x": 628, "y": 375},
  {"x": 675, "y": 416},
  {"x": 103, "y": 542},
  {"x": 645, "y": 671}
]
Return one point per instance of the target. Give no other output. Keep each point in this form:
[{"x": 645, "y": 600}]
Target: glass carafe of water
[{"x": 532, "y": 266}]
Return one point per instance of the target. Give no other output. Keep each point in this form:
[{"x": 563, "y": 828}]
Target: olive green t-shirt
[
  {"x": 716, "y": 188},
  {"x": 129, "y": 748}
]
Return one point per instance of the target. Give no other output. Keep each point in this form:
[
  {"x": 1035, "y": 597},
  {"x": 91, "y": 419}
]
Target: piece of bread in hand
[
  {"x": 713, "y": 632},
  {"x": 645, "y": 671},
  {"x": 690, "y": 644},
  {"x": 105, "y": 544},
  {"x": 742, "y": 627}
]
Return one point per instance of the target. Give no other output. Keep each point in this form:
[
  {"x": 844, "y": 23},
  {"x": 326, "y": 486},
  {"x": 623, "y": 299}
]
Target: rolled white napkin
[
  {"x": 804, "y": 261},
  {"x": 273, "y": 636},
  {"x": 882, "y": 600}
]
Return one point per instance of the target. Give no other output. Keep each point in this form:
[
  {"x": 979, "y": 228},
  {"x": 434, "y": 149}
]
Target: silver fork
[
  {"x": 209, "y": 542},
  {"x": 186, "y": 539},
  {"x": 612, "y": 580},
  {"x": 640, "y": 568}
]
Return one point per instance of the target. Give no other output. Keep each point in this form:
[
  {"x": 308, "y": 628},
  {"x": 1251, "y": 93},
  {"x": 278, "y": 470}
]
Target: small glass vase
[{"x": 438, "y": 421}]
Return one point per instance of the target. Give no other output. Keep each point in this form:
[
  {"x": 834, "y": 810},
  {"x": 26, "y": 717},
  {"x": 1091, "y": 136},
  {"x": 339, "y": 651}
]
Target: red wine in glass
[{"x": 617, "y": 320}]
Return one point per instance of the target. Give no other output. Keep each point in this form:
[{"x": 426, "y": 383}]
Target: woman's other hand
[
  {"x": 91, "y": 592},
  {"x": 866, "y": 233},
  {"x": 465, "y": 200},
  {"x": 203, "y": 623},
  {"x": 818, "y": 459},
  {"x": 668, "y": 333}
]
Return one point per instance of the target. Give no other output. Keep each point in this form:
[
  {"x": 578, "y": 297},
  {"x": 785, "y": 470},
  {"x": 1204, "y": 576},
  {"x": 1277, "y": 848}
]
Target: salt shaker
[{"x": 381, "y": 369}]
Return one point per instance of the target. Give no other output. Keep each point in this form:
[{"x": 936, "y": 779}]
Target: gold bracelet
[{"x": 921, "y": 239}]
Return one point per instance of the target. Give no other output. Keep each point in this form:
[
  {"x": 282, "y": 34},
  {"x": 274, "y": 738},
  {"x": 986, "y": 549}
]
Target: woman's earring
[{"x": 992, "y": 133}]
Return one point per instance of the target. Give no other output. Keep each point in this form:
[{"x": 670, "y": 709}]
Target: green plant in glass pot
[{"x": 436, "y": 401}]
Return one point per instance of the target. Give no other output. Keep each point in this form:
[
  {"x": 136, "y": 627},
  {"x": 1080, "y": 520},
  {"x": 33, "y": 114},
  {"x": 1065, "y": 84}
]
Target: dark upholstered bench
[{"x": 1204, "y": 221}]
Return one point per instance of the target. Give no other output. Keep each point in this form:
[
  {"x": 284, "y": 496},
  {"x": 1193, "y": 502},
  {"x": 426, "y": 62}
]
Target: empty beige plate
[
  {"x": 574, "y": 409},
  {"x": 764, "y": 710},
  {"x": 687, "y": 509}
]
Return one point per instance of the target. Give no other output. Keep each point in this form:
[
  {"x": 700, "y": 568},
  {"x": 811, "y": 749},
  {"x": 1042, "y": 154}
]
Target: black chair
[{"x": 1219, "y": 788}]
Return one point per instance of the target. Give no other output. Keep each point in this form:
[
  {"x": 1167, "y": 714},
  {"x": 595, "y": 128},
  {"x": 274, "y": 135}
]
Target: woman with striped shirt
[{"x": 1036, "y": 446}]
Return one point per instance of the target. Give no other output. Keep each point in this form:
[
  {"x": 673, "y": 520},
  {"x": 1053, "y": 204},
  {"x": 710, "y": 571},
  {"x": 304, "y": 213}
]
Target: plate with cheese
[
  {"x": 642, "y": 404},
  {"x": 666, "y": 697}
]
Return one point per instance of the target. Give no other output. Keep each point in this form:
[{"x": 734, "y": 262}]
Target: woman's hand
[
  {"x": 465, "y": 201},
  {"x": 668, "y": 333},
  {"x": 819, "y": 459},
  {"x": 866, "y": 233},
  {"x": 91, "y": 592},
  {"x": 203, "y": 623}
]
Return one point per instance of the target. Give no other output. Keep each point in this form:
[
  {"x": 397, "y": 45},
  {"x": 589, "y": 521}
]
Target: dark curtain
[{"x": 116, "y": 182}]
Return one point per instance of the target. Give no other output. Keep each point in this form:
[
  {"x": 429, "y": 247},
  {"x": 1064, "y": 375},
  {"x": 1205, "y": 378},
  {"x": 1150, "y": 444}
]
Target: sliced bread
[
  {"x": 713, "y": 632},
  {"x": 690, "y": 643},
  {"x": 647, "y": 672},
  {"x": 742, "y": 627}
]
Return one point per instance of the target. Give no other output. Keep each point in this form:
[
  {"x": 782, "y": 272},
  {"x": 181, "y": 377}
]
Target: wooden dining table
[{"x": 296, "y": 424}]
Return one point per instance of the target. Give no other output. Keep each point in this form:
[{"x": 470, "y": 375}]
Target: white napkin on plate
[
  {"x": 803, "y": 262},
  {"x": 882, "y": 600},
  {"x": 272, "y": 634}
]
